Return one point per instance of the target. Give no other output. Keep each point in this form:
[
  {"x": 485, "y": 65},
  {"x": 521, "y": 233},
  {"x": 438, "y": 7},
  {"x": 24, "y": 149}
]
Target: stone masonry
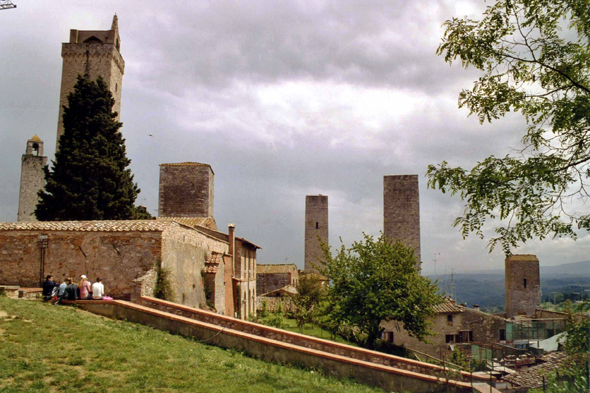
[
  {"x": 186, "y": 190},
  {"x": 32, "y": 179},
  {"x": 316, "y": 229},
  {"x": 401, "y": 210},
  {"x": 94, "y": 53},
  {"x": 270, "y": 277},
  {"x": 523, "y": 285}
]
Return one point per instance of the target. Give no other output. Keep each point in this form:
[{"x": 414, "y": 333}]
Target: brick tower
[
  {"x": 32, "y": 179},
  {"x": 523, "y": 285},
  {"x": 401, "y": 210},
  {"x": 94, "y": 53},
  {"x": 186, "y": 190},
  {"x": 316, "y": 224}
]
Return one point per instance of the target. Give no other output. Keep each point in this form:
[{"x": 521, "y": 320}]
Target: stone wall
[
  {"x": 268, "y": 282},
  {"x": 523, "y": 285},
  {"x": 316, "y": 228},
  {"x": 104, "y": 59},
  {"x": 117, "y": 257},
  {"x": 184, "y": 252},
  {"x": 401, "y": 210},
  {"x": 186, "y": 190},
  {"x": 32, "y": 179},
  {"x": 335, "y": 364}
]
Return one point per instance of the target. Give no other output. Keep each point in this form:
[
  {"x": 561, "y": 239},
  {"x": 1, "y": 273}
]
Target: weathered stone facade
[
  {"x": 316, "y": 229},
  {"x": 186, "y": 190},
  {"x": 452, "y": 324},
  {"x": 94, "y": 53},
  {"x": 32, "y": 179},
  {"x": 523, "y": 285},
  {"x": 401, "y": 210},
  {"x": 270, "y": 277}
]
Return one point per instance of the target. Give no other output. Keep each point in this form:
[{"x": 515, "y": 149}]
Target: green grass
[
  {"x": 49, "y": 348},
  {"x": 312, "y": 330}
]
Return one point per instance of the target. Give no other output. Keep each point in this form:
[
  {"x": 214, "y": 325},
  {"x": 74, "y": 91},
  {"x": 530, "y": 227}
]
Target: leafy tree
[
  {"x": 89, "y": 179},
  {"x": 375, "y": 281},
  {"x": 310, "y": 294},
  {"x": 529, "y": 65},
  {"x": 577, "y": 327}
]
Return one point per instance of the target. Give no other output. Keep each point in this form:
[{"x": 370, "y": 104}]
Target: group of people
[{"x": 70, "y": 290}]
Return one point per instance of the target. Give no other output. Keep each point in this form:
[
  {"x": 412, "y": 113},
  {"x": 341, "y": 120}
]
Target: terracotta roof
[
  {"x": 207, "y": 222},
  {"x": 523, "y": 257},
  {"x": 448, "y": 306},
  {"x": 275, "y": 268},
  {"x": 36, "y": 138},
  {"x": 532, "y": 377},
  {"x": 88, "y": 226}
]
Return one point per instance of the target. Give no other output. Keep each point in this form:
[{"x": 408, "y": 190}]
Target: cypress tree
[{"x": 89, "y": 179}]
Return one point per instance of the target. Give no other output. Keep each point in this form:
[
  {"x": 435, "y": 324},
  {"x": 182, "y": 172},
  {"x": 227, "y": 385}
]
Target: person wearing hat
[{"x": 84, "y": 286}]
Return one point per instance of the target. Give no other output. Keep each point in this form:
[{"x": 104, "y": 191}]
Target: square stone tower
[
  {"x": 94, "y": 53},
  {"x": 316, "y": 225},
  {"x": 523, "y": 285},
  {"x": 32, "y": 179},
  {"x": 186, "y": 190},
  {"x": 401, "y": 211}
]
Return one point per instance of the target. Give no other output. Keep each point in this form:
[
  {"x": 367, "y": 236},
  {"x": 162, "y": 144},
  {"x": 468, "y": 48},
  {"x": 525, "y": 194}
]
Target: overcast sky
[{"x": 283, "y": 100}]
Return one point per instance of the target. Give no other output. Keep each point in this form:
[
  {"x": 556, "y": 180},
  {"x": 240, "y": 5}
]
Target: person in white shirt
[{"x": 97, "y": 289}]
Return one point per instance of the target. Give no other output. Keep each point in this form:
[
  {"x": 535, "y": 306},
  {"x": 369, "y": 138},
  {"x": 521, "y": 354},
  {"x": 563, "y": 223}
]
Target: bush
[{"x": 163, "y": 288}]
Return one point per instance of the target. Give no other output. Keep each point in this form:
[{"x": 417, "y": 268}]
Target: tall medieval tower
[
  {"x": 401, "y": 211},
  {"x": 32, "y": 179},
  {"x": 91, "y": 53},
  {"x": 186, "y": 190},
  {"x": 523, "y": 285},
  {"x": 316, "y": 229}
]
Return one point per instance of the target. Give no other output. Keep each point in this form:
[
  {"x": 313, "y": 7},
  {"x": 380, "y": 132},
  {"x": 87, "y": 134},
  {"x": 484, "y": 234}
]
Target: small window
[
  {"x": 450, "y": 338},
  {"x": 388, "y": 337},
  {"x": 317, "y": 225},
  {"x": 116, "y": 87},
  {"x": 450, "y": 319},
  {"x": 502, "y": 334},
  {"x": 525, "y": 282}
]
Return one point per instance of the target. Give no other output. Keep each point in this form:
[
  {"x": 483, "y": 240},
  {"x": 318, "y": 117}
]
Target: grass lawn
[
  {"x": 57, "y": 348},
  {"x": 312, "y": 330}
]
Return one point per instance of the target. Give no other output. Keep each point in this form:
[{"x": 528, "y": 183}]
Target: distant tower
[
  {"x": 186, "y": 190},
  {"x": 32, "y": 179},
  {"x": 316, "y": 224},
  {"x": 523, "y": 285},
  {"x": 94, "y": 53},
  {"x": 401, "y": 210}
]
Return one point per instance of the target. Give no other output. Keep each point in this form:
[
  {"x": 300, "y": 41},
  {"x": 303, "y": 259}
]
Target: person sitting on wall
[
  {"x": 61, "y": 291},
  {"x": 97, "y": 289},
  {"x": 71, "y": 290},
  {"x": 48, "y": 286},
  {"x": 85, "y": 289}
]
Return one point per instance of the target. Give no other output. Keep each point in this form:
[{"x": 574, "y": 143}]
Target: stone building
[
  {"x": 401, "y": 210},
  {"x": 523, "y": 285},
  {"x": 316, "y": 229},
  {"x": 271, "y": 277},
  {"x": 94, "y": 53},
  {"x": 452, "y": 324},
  {"x": 32, "y": 179},
  {"x": 186, "y": 190}
]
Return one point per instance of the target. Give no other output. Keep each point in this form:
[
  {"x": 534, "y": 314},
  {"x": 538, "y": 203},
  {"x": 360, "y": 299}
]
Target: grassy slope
[{"x": 53, "y": 348}]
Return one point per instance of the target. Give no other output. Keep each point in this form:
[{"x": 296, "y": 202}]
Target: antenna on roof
[{"x": 6, "y": 5}]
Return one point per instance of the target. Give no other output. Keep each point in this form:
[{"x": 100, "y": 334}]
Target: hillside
[{"x": 60, "y": 348}]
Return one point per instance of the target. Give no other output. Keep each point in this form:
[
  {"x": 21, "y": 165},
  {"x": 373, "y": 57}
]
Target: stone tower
[
  {"x": 32, "y": 179},
  {"x": 523, "y": 285},
  {"x": 186, "y": 190},
  {"x": 94, "y": 53},
  {"x": 316, "y": 224},
  {"x": 401, "y": 210}
]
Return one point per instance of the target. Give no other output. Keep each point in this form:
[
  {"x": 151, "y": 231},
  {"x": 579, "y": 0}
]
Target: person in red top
[{"x": 84, "y": 286}]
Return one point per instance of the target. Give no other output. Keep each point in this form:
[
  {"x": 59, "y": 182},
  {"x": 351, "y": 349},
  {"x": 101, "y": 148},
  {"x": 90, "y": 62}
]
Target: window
[
  {"x": 450, "y": 319},
  {"x": 502, "y": 334},
  {"x": 450, "y": 338},
  {"x": 387, "y": 337},
  {"x": 317, "y": 225},
  {"x": 525, "y": 282}
]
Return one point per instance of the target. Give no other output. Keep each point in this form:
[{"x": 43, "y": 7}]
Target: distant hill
[{"x": 486, "y": 287}]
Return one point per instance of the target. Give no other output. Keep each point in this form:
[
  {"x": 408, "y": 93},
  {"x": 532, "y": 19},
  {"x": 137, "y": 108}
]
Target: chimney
[
  {"x": 476, "y": 307},
  {"x": 232, "y": 240}
]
